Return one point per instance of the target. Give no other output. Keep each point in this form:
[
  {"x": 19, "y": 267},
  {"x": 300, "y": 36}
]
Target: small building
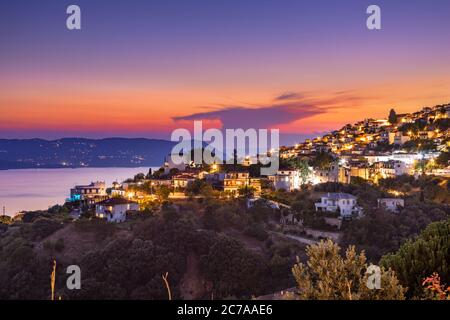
[
  {"x": 255, "y": 183},
  {"x": 115, "y": 209},
  {"x": 197, "y": 173},
  {"x": 234, "y": 181},
  {"x": 251, "y": 202},
  {"x": 286, "y": 179},
  {"x": 91, "y": 193},
  {"x": 323, "y": 176},
  {"x": 182, "y": 181},
  {"x": 249, "y": 160},
  {"x": 344, "y": 203},
  {"x": 156, "y": 182},
  {"x": 361, "y": 171},
  {"x": 117, "y": 190},
  {"x": 391, "y": 168},
  {"x": 398, "y": 138},
  {"x": 336, "y": 173},
  {"x": 391, "y": 204},
  {"x": 213, "y": 178},
  {"x": 427, "y": 134}
]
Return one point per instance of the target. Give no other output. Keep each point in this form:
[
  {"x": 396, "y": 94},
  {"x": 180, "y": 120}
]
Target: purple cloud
[
  {"x": 263, "y": 117},
  {"x": 266, "y": 116},
  {"x": 289, "y": 96}
]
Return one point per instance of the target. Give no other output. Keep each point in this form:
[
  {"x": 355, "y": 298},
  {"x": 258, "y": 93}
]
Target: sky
[{"x": 144, "y": 68}]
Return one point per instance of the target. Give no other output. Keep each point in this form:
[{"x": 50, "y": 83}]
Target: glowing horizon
[{"x": 146, "y": 69}]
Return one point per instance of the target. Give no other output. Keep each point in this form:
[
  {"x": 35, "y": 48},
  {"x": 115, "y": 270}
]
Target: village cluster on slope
[{"x": 412, "y": 144}]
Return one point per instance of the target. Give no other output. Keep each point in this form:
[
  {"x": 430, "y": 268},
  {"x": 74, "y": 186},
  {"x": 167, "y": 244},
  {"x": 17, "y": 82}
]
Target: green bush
[
  {"x": 418, "y": 259},
  {"x": 256, "y": 230},
  {"x": 41, "y": 228}
]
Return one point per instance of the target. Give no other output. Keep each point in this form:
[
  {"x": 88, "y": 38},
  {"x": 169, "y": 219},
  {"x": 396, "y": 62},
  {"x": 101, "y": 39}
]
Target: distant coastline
[
  {"x": 82, "y": 153},
  {"x": 79, "y": 167}
]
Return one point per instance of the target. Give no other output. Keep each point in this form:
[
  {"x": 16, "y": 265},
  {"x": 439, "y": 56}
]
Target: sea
[{"x": 39, "y": 189}]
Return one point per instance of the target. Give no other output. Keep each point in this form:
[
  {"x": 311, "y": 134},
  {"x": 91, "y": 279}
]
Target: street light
[{"x": 151, "y": 187}]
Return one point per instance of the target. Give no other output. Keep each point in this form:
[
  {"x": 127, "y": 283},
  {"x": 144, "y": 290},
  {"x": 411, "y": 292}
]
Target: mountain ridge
[{"x": 82, "y": 152}]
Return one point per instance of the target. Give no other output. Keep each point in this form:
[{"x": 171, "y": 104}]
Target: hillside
[{"x": 126, "y": 261}]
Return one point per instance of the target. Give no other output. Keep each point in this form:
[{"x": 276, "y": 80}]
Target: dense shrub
[
  {"x": 420, "y": 258},
  {"x": 41, "y": 228},
  {"x": 100, "y": 227},
  {"x": 380, "y": 232},
  {"x": 59, "y": 245},
  {"x": 233, "y": 270},
  {"x": 256, "y": 230}
]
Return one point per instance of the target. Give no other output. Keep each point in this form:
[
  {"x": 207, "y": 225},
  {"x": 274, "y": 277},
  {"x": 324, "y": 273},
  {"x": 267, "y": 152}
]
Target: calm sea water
[{"x": 36, "y": 189}]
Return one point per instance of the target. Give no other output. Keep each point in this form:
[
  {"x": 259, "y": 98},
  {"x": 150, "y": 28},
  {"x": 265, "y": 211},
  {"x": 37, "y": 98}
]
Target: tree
[
  {"x": 174, "y": 172},
  {"x": 139, "y": 177},
  {"x": 304, "y": 169},
  {"x": 300, "y": 164},
  {"x": 169, "y": 213},
  {"x": 5, "y": 220},
  {"x": 233, "y": 270},
  {"x": 322, "y": 160},
  {"x": 211, "y": 220},
  {"x": 434, "y": 289},
  {"x": 327, "y": 275},
  {"x": 416, "y": 260},
  {"x": 392, "y": 117},
  {"x": 303, "y": 209},
  {"x": 195, "y": 187},
  {"x": 246, "y": 191},
  {"x": 443, "y": 159},
  {"x": 207, "y": 191},
  {"x": 162, "y": 192}
]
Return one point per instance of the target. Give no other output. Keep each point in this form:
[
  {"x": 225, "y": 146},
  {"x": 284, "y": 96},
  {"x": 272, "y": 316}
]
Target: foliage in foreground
[
  {"x": 329, "y": 276},
  {"x": 415, "y": 260},
  {"x": 435, "y": 289},
  {"x": 127, "y": 261}
]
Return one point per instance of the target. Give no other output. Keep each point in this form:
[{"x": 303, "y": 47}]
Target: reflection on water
[{"x": 35, "y": 189}]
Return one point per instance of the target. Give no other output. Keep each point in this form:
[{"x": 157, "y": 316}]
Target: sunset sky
[{"x": 142, "y": 68}]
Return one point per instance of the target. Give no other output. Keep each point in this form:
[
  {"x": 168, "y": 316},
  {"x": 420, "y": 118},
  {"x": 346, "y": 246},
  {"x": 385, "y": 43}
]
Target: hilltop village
[{"x": 373, "y": 150}]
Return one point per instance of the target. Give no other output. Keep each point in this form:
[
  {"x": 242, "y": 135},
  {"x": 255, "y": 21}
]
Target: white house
[
  {"x": 407, "y": 158},
  {"x": 286, "y": 179},
  {"x": 398, "y": 138},
  {"x": 118, "y": 193},
  {"x": 391, "y": 168},
  {"x": 115, "y": 209},
  {"x": 336, "y": 173},
  {"x": 182, "y": 181},
  {"x": 391, "y": 204},
  {"x": 92, "y": 192},
  {"x": 265, "y": 202},
  {"x": 343, "y": 203}
]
